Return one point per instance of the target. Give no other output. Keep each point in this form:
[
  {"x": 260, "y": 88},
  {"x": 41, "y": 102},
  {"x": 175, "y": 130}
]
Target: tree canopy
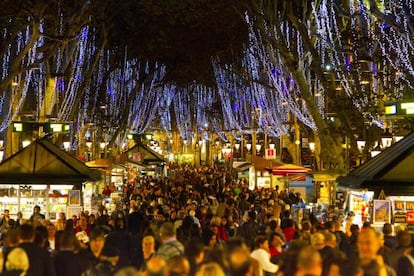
[{"x": 204, "y": 65}]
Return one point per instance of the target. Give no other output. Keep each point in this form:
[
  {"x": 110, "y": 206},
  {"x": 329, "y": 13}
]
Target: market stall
[
  {"x": 43, "y": 174},
  {"x": 154, "y": 162},
  {"x": 390, "y": 177},
  {"x": 295, "y": 177}
]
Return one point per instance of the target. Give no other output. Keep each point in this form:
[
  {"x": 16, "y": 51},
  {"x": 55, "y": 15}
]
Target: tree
[{"x": 324, "y": 47}]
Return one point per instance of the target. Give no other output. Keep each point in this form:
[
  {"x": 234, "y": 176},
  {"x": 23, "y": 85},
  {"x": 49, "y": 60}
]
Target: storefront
[{"x": 44, "y": 175}]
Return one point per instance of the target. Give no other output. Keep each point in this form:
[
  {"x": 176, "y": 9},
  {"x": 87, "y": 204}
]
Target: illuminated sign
[
  {"x": 391, "y": 110},
  {"x": 409, "y": 107},
  {"x": 17, "y": 127},
  {"x": 47, "y": 127},
  {"x": 56, "y": 127},
  {"x": 399, "y": 108}
]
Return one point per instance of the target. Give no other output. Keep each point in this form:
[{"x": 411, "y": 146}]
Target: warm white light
[
  {"x": 375, "y": 153},
  {"x": 312, "y": 146},
  {"x": 1, "y": 144},
  {"x": 1, "y": 155},
  {"x": 102, "y": 145},
  {"x": 398, "y": 138},
  {"x": 89, "y": 145},
  {"x": 272, "y": 146},
  {"x": 25, "y": 143},
  {"x": 66, "y": 145},
  {"x": 258, "y": 147},
  {"x": 248, "y": 146},
  {"x": 237, "y": 146},
  {"x": 297, "y": 142},
  {"x": 361, "y": 145}
]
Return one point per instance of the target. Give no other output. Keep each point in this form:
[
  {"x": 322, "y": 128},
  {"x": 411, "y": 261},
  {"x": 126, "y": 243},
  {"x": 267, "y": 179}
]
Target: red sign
[
  {"x": 137, "y": 157},
  {"x": 410, "y": 217},
  {"x": 270, "y": 154}
]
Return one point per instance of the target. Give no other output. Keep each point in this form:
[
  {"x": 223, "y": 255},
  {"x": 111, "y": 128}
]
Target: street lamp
[
  {"x": 361, "y": 145},
  {"x": 66, "y": 145},
  {"x": 258, "y": 147},
  {"x": 237, "y": 146},
  {"x": 102, "y": 146},
  {"x": 89, "y": 145},
  {"x": 312, "y": 147}
]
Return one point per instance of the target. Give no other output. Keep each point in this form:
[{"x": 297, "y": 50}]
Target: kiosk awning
[{"x": 44, "y": 163}]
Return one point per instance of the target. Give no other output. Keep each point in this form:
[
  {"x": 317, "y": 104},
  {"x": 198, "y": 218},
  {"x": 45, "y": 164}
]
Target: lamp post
[
  {"x": 102, "y": 146},
  {"x": 248, "y": 147},
  {"x": 237, "y": 148},
  {"x": 258, "y": 148}
]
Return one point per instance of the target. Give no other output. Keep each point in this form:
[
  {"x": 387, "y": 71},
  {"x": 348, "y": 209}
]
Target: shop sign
[
  {"x": 399, "y": 205},
  {"x": 270, "y": 154},
  {"x": 137, "y": 157},
  {"x": 400, "y": 217},
  {"x": 409, "y": 205},
  {"x": 410, "y": 217}
]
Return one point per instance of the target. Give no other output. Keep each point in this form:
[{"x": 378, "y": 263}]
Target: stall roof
[
  {"x": 44, "y": 163},
  {"x": 148, "y": 155},
  {"x": 290, "y": 169},
  {"x": 262, "y": 164},
  {"x": 241, "y": 165},
  {"x": 391, "y": 171}
]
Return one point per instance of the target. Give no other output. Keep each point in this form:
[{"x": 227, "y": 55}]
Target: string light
[{"x": 264, "y": 102}]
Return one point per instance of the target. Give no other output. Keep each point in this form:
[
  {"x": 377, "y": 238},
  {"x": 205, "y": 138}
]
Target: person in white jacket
[{"x": 262, "y": 254}]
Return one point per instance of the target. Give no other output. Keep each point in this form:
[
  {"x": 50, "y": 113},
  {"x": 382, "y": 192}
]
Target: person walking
[
  {"x": 40, "y": 262},
  {"x": 170, "y": 245}
]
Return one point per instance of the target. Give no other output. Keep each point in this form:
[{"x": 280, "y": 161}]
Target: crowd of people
[{"x": 201, "y": 221}]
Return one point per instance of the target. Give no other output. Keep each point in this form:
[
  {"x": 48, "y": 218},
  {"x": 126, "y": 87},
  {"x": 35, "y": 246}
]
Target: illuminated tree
[{"x": 333, "y": 63}]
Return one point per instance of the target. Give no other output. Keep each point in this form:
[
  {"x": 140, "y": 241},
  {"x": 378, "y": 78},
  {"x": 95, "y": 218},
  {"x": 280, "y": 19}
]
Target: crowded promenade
[{"x": 201, "y": 221}]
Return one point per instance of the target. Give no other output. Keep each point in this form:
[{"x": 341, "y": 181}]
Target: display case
[{"x": 21, "y": 198}]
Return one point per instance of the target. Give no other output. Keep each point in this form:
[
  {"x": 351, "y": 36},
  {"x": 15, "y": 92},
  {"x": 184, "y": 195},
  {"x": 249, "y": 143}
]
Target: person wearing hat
[{"x": 107, "y": 262}]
